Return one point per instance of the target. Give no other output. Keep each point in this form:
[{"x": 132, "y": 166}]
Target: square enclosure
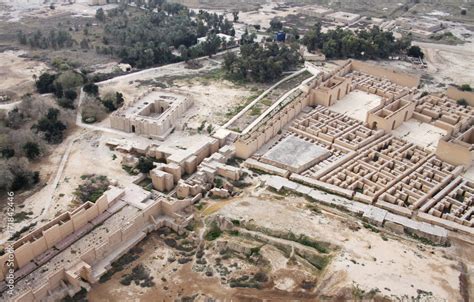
[{"x": 295, "y": 154}]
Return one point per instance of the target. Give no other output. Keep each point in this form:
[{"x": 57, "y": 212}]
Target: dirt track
[{"x": 448, "y": 63}]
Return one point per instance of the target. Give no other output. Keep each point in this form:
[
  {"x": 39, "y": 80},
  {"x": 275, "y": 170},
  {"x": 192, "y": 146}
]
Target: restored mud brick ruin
[
  {"x": 365, "y": 161},
  {"x": 154, "y": 115}
]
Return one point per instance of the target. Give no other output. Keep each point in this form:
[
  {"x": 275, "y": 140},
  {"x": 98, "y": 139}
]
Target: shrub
[
  {"x": 92, "y": 187},
  {"x": 66, "y": 103},
  {"x": 462, "y": 102},
  {"x": 51, "y": 127},
  {"x": 44, "y": 84},
  {"x": 91, "y": 89},
  {"x": 213, "y": 233},
  {"x": 112, "y": 101},
  {"x": 145, "y": 164},
  {"x": 32, "y": 150},
  {"x": 415, "y": 51},
  {"x": 70, "y": 94},
  {"x": 7, "y": 152}
]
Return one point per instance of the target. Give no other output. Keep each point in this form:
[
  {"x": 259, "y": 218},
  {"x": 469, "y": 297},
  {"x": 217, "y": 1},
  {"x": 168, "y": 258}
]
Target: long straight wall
[{"x": 396, "y": 77}]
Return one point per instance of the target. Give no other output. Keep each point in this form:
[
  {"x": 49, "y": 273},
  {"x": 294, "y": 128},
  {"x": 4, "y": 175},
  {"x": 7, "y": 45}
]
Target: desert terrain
[{"x": 230, "y": 237}]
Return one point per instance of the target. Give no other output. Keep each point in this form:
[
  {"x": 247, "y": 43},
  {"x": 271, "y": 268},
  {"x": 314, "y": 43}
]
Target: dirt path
[{"x": 450, "y": 63}]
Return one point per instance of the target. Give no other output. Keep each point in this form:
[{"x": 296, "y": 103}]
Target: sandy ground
[
  {"x": 134, "y": 85},
  {"x": 264, "y": 15},
  {"x": 14, "y": 11},
  {"x": 17, "y": 73},
  {"x": 174, "y": 281},
  {"x": 356, "y": 104},
  {"x": 212, "y": 97},
  {"x": 89, "y": 155},
  {"x": 400, "y": 269},
  {"x": 421, "y": 134},
  {"x": 450, "y": 64},
  {"x": 396, "y": 267},
  {"x": 212, "y": 101}
]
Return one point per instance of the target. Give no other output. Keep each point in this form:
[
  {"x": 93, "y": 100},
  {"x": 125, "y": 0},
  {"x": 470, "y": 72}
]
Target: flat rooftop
[
  {"x": 344, "y": 16},
  {"x": 296, "y": 154},
  {"x": 421, "y": 134},
  {"x": 356, "y": 104}
]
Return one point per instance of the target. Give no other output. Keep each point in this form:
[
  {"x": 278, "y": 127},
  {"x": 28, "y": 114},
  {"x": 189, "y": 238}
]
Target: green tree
[
  {"x": 70, "y": 79},
  {"x": 145, "y": 165},
  {"x": 415, "y": 51},
  {"x": 183, "y": 50},
  {"x": 51, "y": 127},
  {"x": 91, "y": 89},
  {"x": 70, "y": 94},
  {"x": 211, "y": 45},
  {"x": 236, "y": 16},
  {"x": 32, "y": 150},
  {"x": 7, "y": 152},
  {"x": 44, "y": 84},
  {"x": 100, "y": 15},
  {"x": 276, "y": 25}
]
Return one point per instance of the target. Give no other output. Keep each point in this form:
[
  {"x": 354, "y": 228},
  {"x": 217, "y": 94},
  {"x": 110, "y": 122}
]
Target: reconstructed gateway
[{"x": 365, "y": 161}]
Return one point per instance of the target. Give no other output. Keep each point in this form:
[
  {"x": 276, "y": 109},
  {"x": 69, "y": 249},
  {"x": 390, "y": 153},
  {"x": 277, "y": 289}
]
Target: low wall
[
  {"x": 249, "y": 144},
  {"x": 456, "y": 94},
  {"x": 434, "y": 233},
  {"x": 102, "y": 255},
  {"x": 454, "y": 154},
  {"x": 47, "y": 236},
  {"x": 396, "y": 77}
]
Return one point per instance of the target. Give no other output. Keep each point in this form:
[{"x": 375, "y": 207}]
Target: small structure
[
  {"x": 155, "y": 115},
  {"x": 314, "y": 11},
  {"x": 457, "y": 149},
  {"x": 391, "y": 116},
  {"x": 280, "y": 36},
  {"x": 421, "y": 27},
  {"x": 343, "y": 17}
]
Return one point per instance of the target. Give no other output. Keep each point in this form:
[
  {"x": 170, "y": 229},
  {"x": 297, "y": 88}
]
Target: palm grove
[
  {"x": 365, "y": 44},
  {"x": 146, "y": 37}
]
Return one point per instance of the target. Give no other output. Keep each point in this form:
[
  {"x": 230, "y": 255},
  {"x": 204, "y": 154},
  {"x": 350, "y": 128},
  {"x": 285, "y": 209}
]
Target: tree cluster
[
  {"x": 51, "y": 127},
  {"x": 15, "y": 174},
  {"x": 54, "y": 39},
  {"x": 63, "y": 85},
  {"x": 112, "y": 101},
  {"x": 261, "y": 63},
  {"x": 25, "y": 132},
  {"x": 213, "y": 23},
  {"x": 96, "y": 107},
  {"x": 365, "y": 44},
  {"x": 149, "y": 39}
]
